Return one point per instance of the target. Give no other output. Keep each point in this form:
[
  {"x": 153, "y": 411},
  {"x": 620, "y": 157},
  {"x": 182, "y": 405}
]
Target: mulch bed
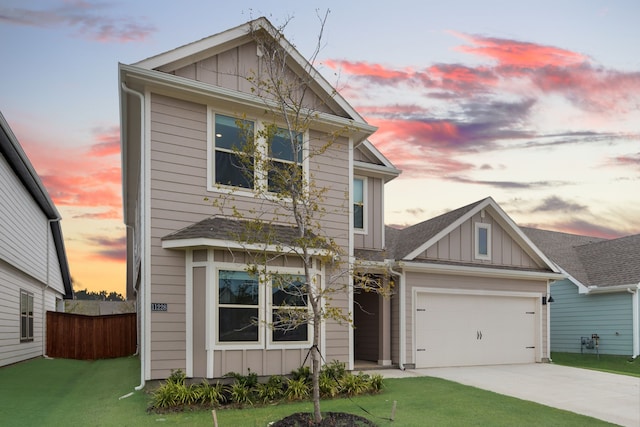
[{"x": 333, "y": 419}]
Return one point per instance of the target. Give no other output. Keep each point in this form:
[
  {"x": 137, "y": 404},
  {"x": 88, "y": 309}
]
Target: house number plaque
[{"x": 158, "y": 306}]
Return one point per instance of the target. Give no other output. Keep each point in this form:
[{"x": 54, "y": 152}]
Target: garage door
[{"x": 464, "y": 330}]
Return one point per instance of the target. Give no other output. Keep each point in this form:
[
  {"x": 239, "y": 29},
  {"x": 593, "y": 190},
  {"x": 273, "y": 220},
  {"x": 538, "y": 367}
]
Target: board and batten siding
[
  {"x": 178, "y": 190},
  {"x": 575, "y": 315},
  {"x": 470, "y": 283},
  {"x": 459, "y": 245}
]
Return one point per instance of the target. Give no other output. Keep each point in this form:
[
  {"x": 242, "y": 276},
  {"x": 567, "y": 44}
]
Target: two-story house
[
  {"x": 180, "y": 112},
  {"x": 468, "y": 286}
]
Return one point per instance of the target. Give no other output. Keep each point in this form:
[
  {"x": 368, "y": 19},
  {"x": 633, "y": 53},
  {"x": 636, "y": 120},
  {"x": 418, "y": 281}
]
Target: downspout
[
  {"x": 141, "y": 307},
  {"x": 401, "y": 315},
  {"x": 636, "y": 319},
  {"x": 44, "y": 290}
]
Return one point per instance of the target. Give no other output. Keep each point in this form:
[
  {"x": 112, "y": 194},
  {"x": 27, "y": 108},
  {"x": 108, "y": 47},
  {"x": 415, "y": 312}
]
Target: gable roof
[
  {"x": 410, "y": 242},
  {"x": 592, "y": 262},
  {"x": 185, "y": 55},
  {"x": 22, "y": 167}
]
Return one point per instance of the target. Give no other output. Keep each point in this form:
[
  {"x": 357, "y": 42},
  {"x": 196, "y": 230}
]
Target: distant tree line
[{"x": 85, "y": 294}]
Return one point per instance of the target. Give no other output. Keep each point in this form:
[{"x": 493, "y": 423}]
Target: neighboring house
[
  {"x": 600, "y": 295},
  {"x": 469, "y": 286},
  {"x": 184, "y": 268},
  {"x": 471, "y": 289},
  {"x": 34, "y": 274}
]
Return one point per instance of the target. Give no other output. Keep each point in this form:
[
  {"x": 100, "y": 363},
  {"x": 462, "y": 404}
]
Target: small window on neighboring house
[
  {"x": 232, "y": 166},
  {"x": 483, "y": 241},
  {"x": 238, "y": 307},
  {"x": 289, "y": 309},
  {"x": 26, "y": 316},
  {"x": 285, "y": 154},
  {"x": 358, "y": 204}
]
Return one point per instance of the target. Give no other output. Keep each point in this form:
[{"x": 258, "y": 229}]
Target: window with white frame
[
  {"x": 238, "y": 307},
  {"x": 26, "y": 316},
  {"x": 234, "y": 165},
  {"x": 230, "y": 137},
  {"x": 359, "y": 190},
  {"x": 245, "y": 314},
  {"x": 483, "y": 241},
  {"x": 289, "y": 309},
  {"x": 285, "y": 156}
]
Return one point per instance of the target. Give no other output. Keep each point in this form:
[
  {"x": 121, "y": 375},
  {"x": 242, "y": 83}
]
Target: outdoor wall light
[{"x": 546, "y": 300}]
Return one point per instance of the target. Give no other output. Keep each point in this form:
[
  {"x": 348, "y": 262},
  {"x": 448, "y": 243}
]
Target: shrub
[
  {"x": 352, "y": 385},
  {"x": 241, "y": 393},
  {"x": 165, "y": 396},
  {"x": 297, "y": 389},
  {"x": 376, "y": 383},
  {"x": 303, "y": 372},
  {"x": 329, "y": 387},
  {"x": 211, "y": 394},
  {"x": 272, "y": 390}
]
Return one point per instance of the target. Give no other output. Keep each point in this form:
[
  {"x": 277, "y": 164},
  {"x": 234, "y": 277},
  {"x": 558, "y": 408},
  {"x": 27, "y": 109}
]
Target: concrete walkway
[{"x": 610, "y": 397}]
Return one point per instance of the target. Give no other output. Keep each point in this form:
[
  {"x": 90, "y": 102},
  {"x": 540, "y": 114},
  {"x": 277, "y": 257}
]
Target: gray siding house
[
  {"x": 600, "y": 295},
  {"x": 34, "y": 274},
  {"x": 468, "y": 286},
  {"x": 176, "y": 109}
]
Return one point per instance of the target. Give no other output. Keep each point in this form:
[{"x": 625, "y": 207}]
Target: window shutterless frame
[
  {"x": 26, "y": 316},
  {"x": 359, "y": 204},
  {"x": 482, "y": 238}
]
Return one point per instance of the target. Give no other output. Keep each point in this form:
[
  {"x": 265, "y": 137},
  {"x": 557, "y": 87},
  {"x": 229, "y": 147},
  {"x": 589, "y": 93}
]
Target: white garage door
[{"x": 464, "y": 330}]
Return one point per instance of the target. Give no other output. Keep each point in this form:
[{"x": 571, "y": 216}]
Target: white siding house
[{"x": 34, "y": 274}]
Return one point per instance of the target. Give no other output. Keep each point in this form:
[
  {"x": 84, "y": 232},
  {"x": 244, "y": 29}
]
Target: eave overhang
[
  {"x": 465, "y": 270},
  {"x": 203, "y": 242}
]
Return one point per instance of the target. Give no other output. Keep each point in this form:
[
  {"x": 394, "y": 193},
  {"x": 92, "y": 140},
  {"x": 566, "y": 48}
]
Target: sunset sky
[{"x": 536, "y": 104}]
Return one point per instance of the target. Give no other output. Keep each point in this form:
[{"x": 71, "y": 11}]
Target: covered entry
[{"x": 463, "y": 328}]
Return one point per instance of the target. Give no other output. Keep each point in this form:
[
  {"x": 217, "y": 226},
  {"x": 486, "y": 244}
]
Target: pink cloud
[
  {"x": 108, "y": 142},
  {"x": 520, "y": 54},
  {"x": 88, "y": 19}
]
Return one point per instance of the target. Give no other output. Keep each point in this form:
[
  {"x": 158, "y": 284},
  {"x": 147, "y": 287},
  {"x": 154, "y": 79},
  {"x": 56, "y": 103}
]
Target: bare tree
[{"x": 286, "y": 218}]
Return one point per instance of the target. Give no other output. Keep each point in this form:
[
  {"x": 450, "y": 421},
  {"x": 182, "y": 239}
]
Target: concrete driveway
[{"x": 610, "y": 397}]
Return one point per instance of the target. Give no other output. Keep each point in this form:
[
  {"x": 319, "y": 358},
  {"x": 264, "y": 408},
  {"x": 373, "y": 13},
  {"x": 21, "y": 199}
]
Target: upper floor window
[
  {"x": 285, "y": 155},
  {"x": 359, "y": 204},
  {"x": 483, "y": 241},
  {"x": 231, "y": 166},
  {"x": 253, "y": 154},
  {"x": 26, "y": 316}
]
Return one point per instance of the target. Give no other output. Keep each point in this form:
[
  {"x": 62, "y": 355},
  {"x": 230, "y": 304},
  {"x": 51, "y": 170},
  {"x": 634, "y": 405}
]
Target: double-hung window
[
  {"x": 358, "y": 204},
  {"x": 238, "y": 307},
  {"x": 26, "y": 316},
  {"x": 233, "y": 165},
  {"x": 285, "y": 159},
  {"x": 289, "y": 309},
  {"x": 483, "y": 241}
]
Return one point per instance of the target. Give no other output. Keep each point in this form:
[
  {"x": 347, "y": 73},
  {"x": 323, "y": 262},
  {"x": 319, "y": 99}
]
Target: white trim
[
  {"x": 232, "y": 244},
  {"x": 284, "y": 345},
  {"x": 323, "y": 324},
  {"x": 188, "y": 309},
  {"x": 509, "y": 226},
  {"x": 477, "y": 227},
  {"x": 386, "y": 173},
  {"x": 209, "y": 328},
  {"x": 479, "y": 271}
]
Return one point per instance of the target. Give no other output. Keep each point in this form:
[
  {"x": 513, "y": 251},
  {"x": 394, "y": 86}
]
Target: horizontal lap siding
[
  {"x": 23, "y": 229},
  {"x": 178, "y": 191},
  {"x": 11, "y": 349},
  {"x": 178, "y": 188},
  {"x": 575, "y": 315}
]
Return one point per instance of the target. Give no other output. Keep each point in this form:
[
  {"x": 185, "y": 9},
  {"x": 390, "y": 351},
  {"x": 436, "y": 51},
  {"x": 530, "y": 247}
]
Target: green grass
[
  {"x": 615, "y": 364},
  {"x": 77, "y": 393}
]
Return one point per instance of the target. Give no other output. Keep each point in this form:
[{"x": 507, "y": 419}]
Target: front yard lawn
[
  {"x": 59, "y": 392},
  {"x": 615, "y": 364}
]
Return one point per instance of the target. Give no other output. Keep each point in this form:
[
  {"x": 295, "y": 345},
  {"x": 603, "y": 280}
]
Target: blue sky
[{"x": 536, "y": 104}]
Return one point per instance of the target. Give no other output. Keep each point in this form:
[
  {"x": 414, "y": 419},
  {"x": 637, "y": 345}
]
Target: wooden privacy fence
[{"x": 75, "y": 336}]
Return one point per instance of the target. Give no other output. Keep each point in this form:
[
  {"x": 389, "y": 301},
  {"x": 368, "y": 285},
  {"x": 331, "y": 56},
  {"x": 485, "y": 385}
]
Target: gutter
[{"x": 141, "y": 306}]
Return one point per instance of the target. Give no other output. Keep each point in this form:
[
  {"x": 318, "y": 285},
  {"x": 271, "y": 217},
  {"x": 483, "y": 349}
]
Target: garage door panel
[{"x": 461, "y": 329}]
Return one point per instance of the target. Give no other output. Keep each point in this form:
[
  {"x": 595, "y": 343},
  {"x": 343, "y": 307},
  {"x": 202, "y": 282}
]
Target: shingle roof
[
  {"x": 591, "y": 260},
  {"x": 222, "y": 228},
  {"x": 402, "y": 242}
]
